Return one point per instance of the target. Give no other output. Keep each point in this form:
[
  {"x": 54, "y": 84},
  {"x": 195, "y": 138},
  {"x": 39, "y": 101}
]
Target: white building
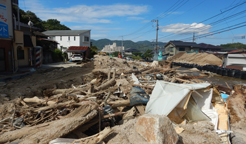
[
  {"x": 67, "y": 38},
  {"x": 112, "y": 48}
]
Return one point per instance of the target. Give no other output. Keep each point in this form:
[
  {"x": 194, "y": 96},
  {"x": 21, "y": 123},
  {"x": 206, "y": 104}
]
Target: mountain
[{"x": 141, "y": 45}]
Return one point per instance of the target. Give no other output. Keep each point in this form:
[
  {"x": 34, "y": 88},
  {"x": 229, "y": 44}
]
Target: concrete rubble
[{"x": 111, "y": 100}]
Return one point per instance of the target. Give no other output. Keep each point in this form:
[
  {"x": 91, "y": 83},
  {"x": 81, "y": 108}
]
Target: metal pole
[
  {"x": 157, "y": 28},
  {"x": 122, "y": 43},
  {"x": 193, "y": 36}
]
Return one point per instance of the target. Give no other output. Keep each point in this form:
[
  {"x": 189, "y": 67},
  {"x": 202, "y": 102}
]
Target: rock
[
  {"x": 156, "y": 129},
  {"x": 154, "y": 64}
]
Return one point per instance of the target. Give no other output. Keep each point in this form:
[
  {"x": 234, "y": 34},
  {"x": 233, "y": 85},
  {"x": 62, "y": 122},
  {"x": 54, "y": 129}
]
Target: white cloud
[
  {"x": 145, "y": 21},
  {"x": 84, "y": 13},
  {"x": 98, "y": 35},
  {"x": 135, "y": 18},
  {"x": 93, "y": 27},
  {"x": 78, "y": 27},
  {"x": 102, "y": 31},
  {"x": 181, "y": 28}
]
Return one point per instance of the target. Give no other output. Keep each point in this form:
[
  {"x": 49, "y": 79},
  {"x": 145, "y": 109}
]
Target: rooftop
[
  {"x": 131, "y": 50},
  {"x": 64, "y": 32},
  {"x": 181, "y": 43},
  {"x": 209, "y": 46},
  {"x": 77, "y": 48}
]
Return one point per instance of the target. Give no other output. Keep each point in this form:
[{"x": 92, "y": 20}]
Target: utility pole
[
  {"x": 157, "y": 28},
  {"x": 122, "y": 43},
  {"x": 194, "y": 36}
]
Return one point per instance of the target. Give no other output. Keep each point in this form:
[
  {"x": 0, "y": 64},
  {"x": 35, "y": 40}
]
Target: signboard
[
  {"x": 6, "y": 22},
  {"x": 4, "y": 30}
]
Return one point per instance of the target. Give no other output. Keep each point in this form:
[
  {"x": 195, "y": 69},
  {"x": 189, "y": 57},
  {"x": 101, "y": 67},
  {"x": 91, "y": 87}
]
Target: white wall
[
  {"x": 82, "y": 42},
  {"x": 67, "y": 43}
]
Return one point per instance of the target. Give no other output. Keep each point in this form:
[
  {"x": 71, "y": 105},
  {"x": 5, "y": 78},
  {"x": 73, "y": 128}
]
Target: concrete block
[{"x": 156, "y": 129}]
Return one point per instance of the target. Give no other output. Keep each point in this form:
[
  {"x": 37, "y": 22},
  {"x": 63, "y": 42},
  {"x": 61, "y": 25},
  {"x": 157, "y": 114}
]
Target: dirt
[
  {"x": 197, "y": 58},
  {"x": 236, "y": 106},
  {"x": 176, "y": 56},
  {"x": 35, "y": 84},
  {"x": 201, "y": 132}
]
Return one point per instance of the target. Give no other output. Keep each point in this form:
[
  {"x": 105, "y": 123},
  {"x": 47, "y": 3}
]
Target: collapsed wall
[{"x": 197, "y": 58}]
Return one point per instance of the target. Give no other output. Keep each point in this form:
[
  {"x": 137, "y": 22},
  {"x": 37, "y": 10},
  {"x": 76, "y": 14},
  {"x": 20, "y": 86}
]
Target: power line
[
  {"x": 236, "y": 26},
  {"x": 161, "y": 15},
  {"x": 145, "y": 26},
  {"x": 190, "y": 9},
  {"x": 216, "y": 26},
  {"x": 175, "y": 9},
  {"x": 210, "y": 17}
]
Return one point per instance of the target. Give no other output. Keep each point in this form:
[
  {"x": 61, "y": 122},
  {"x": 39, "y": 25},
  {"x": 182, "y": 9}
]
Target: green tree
[
  {"x": 37, "y": 22},
  {"x": 93, "y": 50},
  {"x": 54, "y": 24},
  {"x": 233, "y": 46},
  {"x": 115, "y": 54},
  {"x": 137, "y": 53},
  {"x": 147, "y": 54}
]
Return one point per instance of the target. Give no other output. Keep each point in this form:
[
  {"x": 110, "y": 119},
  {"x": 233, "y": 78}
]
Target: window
[
  {"x": 68, "y": 38},
  {"x": 60, "y": 38},
  {"x": 86, "y": 39},
  {"x": 171, "y": 49},
  {"x": 181, "y": 49},
  {"x": 20, "y": 53},
  {"x": 74, "y": 38}
]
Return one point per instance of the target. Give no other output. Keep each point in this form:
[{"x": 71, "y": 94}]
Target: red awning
[{"x": 78, "y": 49}]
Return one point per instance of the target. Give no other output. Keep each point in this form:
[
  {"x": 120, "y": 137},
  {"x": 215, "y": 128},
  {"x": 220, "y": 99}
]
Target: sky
[{"x": 210, "y": 21}]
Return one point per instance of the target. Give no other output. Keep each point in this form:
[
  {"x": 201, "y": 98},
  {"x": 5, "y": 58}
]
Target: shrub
[{"x": 57, "y": 55}]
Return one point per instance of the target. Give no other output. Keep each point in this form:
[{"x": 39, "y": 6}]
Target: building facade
[
  {"x": 67, "y": 38},
  {"x": 174, "y": 47},
  {"x": 6, "y": 36},
  {"x": 112, "y": 48}
]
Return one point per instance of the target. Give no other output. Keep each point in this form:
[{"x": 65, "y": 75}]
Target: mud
[{"x": 43, "y": 79}]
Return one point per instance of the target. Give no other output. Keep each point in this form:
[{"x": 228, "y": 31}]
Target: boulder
[{"x": 156, "y": 129}]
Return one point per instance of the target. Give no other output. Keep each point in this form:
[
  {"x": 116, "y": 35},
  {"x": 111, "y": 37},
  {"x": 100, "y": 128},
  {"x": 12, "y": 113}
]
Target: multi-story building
[
  {"x": 112, "y": 48},
  {"x": 71, "y": 38},
  {"x": 67, "y": 38},
  {"x": 6, "y": 35}
]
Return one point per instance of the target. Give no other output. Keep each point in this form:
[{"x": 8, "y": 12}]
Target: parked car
[
  {"x": 76, "y": 57},
  {"x": 129, "y": 58}
]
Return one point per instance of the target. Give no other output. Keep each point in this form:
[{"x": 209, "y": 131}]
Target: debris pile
[
  {"x": 120, "y": 102},
  {"x": 197, "y": 58}
]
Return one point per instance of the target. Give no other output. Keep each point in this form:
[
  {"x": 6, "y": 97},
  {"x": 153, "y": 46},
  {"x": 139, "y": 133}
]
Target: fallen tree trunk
[
  {"x": 38, "y": 101},
  {"x": 119, "y": 103},
  {"x": 43, "y": 133}
]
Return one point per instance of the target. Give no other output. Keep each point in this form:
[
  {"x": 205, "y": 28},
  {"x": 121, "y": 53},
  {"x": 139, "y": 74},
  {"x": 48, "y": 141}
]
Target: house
[
  {"x": 174, "y": 47},
  {"x": 209, "y": 48},
  {"x": 235, "y": 59},
  {"x": 24, "y": 46},
  {"x": 112, "y": 48},
  {"x": 67, "y": 38},
  {"x": 83, "y": 50},
  {"x": 6, "y": 36},
  {"x": 47, "y": 45}
]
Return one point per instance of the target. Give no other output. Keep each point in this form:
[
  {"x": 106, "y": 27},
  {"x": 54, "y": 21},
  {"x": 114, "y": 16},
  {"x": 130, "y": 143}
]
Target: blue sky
[{"x": 178, "y": 19}]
